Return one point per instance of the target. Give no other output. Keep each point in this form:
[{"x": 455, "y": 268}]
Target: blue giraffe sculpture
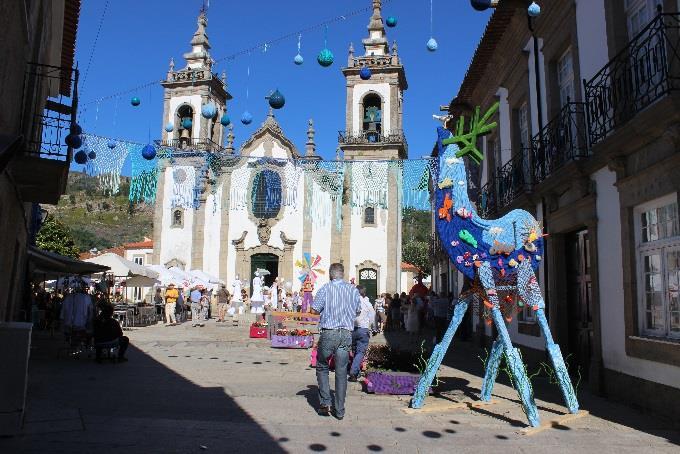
[{"x": 499, "y": 256}]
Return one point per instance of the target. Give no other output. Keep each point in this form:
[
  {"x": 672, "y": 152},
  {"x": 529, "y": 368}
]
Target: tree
[
  {"x": 56, "y": 237},
  {"x": 417, "y": 253},
  {"x": 416, "y": 228}
]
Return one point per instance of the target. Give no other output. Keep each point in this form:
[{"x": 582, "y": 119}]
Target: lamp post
[{"x": 533, "y": 11}]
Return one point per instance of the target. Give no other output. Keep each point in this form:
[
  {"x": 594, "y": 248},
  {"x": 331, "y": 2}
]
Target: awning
[
  {"x": 48, "y": 265},
  {"x": 122, "y": 267}
]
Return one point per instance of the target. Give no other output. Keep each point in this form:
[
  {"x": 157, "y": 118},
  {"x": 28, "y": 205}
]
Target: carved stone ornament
[{"x": 264, "y": 231}]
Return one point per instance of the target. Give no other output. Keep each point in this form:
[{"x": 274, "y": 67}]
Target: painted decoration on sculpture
[
  {"x": 365, "y": 73},
  {"x": 391, "y": 21},
  {"x": 169, "y": 126},
  {"x": 276, "y": 99},
  {"x": 534, "y": 9},
  {"x": 209, "y": 110},
  {"x": 246, "y": 118},
  {"x": 225, "y": 120},
  {"x": 74, "y": 141},
  {"x": 135, "y": 101},
  {"x": 432, "y": 44},
  {"x": 80, "y": 157},
  {"x": 149, "y": 152},
  {"x": 325, "y": 58},
  {"x": 298, "y": 60}
]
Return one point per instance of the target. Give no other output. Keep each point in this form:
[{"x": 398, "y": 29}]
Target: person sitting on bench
[{"x": 108, "y": 334}]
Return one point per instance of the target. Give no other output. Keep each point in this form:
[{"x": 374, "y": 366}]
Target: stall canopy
[
  {"x": 48, "y": 265},
  {"x": 122, "y": 267},
  {"x": 205, "y": 277}
]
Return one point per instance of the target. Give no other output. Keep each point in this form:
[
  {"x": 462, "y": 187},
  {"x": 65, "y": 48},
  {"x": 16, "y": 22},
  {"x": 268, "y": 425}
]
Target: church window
[
  {"x": 266, "y": 195},
  {"x": 369, "y": 216},
  {"x": 372, "y": 123},
  {"x": 177, "y": 218}
]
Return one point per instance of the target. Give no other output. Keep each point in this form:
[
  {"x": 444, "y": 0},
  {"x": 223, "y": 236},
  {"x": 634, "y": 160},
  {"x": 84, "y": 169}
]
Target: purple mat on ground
[
  {"x": 292, "y": 341},
  {"x": 391, "y": 382}
]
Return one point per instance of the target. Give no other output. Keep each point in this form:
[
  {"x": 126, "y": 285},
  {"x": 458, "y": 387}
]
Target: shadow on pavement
[{"x": 138, "y": 406}]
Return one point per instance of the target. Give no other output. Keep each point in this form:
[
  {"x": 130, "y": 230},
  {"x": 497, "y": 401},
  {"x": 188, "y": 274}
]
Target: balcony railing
[
  {"x": 643, "y": 72},
  {"x": 371, "y": 137},
  {"x": 562, "y": 140},
  {"x": 50, "y": 102},
  {"x": 191, "y": 144},
  {"x": 512, "y": 179},
  {"x": 487, "y": 205}
]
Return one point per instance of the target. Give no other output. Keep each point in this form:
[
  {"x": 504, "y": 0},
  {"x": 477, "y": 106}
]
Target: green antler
[{"x": 467, "y": 142}]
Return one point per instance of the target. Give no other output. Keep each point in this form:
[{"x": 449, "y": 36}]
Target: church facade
[{"x": 265, "y": 205}]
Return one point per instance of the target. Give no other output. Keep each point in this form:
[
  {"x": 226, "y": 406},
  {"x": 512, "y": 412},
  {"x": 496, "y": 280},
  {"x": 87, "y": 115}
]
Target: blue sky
[{"x": 137, "y": 39}]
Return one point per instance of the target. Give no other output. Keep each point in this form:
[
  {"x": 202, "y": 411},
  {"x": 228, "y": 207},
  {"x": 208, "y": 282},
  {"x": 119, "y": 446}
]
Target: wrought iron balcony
[
  {"x": 512, "y": 179},
  {"x": 487, "y": 205},
  {"x": 643, "y": 72},
  {"x": 191, "y": 144},
  {"x": 562, "y": 140},
  {"x": 394, "y": 136}
]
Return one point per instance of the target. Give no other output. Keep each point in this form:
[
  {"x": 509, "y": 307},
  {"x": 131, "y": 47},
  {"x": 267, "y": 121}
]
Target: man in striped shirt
[{"x": 338, "y": 302}]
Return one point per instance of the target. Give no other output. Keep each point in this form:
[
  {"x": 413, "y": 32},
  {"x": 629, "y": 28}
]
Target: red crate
[{"x": 258, "y": 332}]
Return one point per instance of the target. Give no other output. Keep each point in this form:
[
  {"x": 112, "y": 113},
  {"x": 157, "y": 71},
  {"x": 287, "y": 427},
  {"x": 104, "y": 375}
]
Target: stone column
[
  {"x": 393, "y": 265},
  {"x": 158, "y": 214},
  {"x": 224, "y": 228}
]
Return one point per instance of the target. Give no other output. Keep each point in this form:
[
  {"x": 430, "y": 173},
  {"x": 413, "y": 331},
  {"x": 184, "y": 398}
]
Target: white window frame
[
  {"x": 565, "y": 77},
  {"x": 632, "y": 10},
  {"x": 660, "y": 247}
]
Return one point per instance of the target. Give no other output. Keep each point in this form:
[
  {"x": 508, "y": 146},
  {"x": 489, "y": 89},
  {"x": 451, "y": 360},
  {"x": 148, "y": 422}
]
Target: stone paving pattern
[{"x": 188, "y": 390}]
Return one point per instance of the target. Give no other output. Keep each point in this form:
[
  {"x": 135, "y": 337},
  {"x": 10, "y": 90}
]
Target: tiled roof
[
  {"x": 68, "y": 42},
  {"x": 405, "y": 266},
  {"x": 146, "y": 244}
]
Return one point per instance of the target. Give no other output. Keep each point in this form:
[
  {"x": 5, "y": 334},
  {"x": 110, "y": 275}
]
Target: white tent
[
  {"x": 165, "y": 276},
  {"x": 122, "y": 267},
  {"x": 205, "y": 277}
]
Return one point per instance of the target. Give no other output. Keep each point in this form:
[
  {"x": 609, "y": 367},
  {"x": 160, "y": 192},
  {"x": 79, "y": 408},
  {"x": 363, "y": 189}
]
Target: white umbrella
[
  {"x": 205, "y": 277},
  {"x": 122, "y": 267}
]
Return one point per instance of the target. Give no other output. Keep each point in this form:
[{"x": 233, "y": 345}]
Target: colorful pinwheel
[{"x": 307, "y": 267}]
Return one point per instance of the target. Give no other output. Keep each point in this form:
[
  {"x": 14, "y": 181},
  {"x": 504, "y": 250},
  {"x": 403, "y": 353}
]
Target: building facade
[
  {"x": 594, "y": 155},
  {"x": 267, "y": 204}
]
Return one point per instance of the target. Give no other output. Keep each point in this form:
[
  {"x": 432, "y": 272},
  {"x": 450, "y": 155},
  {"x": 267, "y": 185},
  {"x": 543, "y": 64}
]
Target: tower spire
[
  {"x": 200, "y": 46},
  {"x": 310, "y": 146},
  {"x": 376, "y": 43}
]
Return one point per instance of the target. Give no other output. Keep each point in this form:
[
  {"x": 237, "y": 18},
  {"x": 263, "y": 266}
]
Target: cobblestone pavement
[{"x": 188, "y": 390}]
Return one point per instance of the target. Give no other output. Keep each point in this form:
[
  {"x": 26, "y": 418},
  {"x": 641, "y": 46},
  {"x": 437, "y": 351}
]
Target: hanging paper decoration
[
  {"x": 225, "y": 120},
  {"x": 80, "y": 157},
  {"x": 169, "y": 126},
  {"x": 110, "y": 159},
  {"x": 276, "y": 99},
  {"x": 298, "y": 58},
  {"x": 149, "y": 152},
  {"x": 184, "y": 182},
  {"x": 369, "y": 181},
  {"x": 135, "y": 101},
  {"x": 431, "y": 43},
  {"x": 415, "y": 182},
  {"x": 325, "y": 57},
  {"x": 209, "y": 110},
  {"x": 481, "y": 5},
  {"x": 391, "y": 21},
  {"x": 144, "y": 179},
  {"x": 92, "y": 155},
  {"x": 74, "y": 141},
  {"x": 534, "y": 10},
  {"x": 309, "y": 267},
  {"x": 76, "y": 129},
  {"x": 246, "y": 118},
  {"x": 323, "y": 193},
  {"x": 365, "y": 73},
  {"x": 111, "y": 144},
  {"x": 187, "y": 123}
]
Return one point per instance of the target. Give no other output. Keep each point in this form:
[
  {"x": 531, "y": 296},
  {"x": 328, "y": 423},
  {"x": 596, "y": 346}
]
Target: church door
[
  {"x": 368, "y": 278},
  {"x": 269, "y": 262}
]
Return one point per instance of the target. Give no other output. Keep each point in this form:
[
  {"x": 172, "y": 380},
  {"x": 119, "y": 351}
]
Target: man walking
[
  {"x": 171, "y": 295},
  {"x": 196, "y": 309},
  {"x": 222, "y": 302},
  {"x": 338, "y": 302},
  {"x": 363, "y": 325}
]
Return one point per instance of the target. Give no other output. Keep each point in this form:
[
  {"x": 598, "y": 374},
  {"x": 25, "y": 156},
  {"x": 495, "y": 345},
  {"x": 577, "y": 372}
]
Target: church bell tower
[
  {"x": 375, "y": 87},
  {"x": 195, "y": 99}
]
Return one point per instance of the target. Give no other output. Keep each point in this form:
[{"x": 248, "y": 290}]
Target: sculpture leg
[
  {"x": 492, "y": 365},
  {"x": 513, "y": 358},
  {"x": 528, "y": 288},
  {"x": 438, "y": 355}
]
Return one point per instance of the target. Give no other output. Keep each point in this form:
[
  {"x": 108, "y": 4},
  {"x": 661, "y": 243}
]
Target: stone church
[{"x": 263, "y": 209}]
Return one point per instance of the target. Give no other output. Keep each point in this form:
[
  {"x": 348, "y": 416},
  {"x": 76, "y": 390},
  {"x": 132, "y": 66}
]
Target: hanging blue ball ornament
[
  {"x": 432, "y": 44},
  {"x": 225, "y": 120},
  {"x": 92, "y": 155},
  {"x": 187, "y": 123},
  {"x": 246, "y": 118},
  {"x": 135, "y": 101},
  {"x": 74, "y": 141},
  {"x": 325, "y": 58},
  {"x": 76, "y": 129},
  {"x": 111, "y": 144},
  {"x": 391, "y": 21},
  {"x": 209, "y": 110},
  {"x": 169, "y": 126},
  {"x": 276, "y": 99},
  {"x": 534, "y": 9},
  {"x": 298, "y": 60},
  {"x": 481, "y": 5},
  {"x": 149, "y": 152},
  {"x": 80, "y": 157},
  {"x": 365, "y": 73}
]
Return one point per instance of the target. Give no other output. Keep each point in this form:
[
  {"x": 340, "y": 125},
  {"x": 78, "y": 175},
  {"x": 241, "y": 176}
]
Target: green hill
[{"x": 98, "y": 219}]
